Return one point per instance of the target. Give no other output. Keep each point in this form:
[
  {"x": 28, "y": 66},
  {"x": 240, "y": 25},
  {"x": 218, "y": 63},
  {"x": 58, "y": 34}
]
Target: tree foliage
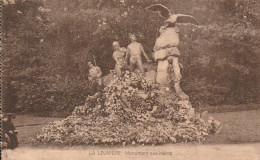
[{"x": 47, "y": 44}]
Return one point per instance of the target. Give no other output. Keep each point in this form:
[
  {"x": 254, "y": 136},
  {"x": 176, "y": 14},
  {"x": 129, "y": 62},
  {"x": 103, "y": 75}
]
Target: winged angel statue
[{"x": 165, "y": 49}]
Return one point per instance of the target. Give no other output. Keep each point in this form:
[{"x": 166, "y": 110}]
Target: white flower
[
  {"x": 124, "y": 14},
  {"x": 39, "y": 18},
  {"x": 12, "y": 1},
  {"x": 41, "y": 9},
  {"x": 117, "y": 19}
]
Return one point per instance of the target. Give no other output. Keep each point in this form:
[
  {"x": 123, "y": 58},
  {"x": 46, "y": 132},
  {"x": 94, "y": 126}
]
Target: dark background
[{"x": 46, "y": 46}]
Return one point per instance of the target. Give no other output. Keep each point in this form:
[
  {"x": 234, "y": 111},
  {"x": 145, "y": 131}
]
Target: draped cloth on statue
[
  {"x": 165, "y": 51},
  {"x": 169, "y": 37},
  {"x": 167, "y": 55}
]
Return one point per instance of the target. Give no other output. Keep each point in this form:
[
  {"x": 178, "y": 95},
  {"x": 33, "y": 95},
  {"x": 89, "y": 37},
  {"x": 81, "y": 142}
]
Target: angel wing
[
  {"x": 182, "y": 18},
  {"x": 161, "y": 9}
]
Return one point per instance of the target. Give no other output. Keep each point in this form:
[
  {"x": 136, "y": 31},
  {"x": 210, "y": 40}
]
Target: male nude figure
[{"x": 135, "y": 50}]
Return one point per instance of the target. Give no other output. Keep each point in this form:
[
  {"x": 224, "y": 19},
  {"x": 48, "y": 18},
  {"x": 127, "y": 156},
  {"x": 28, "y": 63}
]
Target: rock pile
[{"x": 132, "y": 109}]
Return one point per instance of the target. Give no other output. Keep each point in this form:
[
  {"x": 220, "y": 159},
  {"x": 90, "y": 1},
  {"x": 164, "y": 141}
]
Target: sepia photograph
[{"x": 130, "y": 79}]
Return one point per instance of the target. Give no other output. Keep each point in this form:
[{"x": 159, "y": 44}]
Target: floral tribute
[{"x": 130, "y": 110}]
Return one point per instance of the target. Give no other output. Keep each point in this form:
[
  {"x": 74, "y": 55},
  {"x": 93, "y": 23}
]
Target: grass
[
  {"x": 228, "y": 108},
  {"x": 238, "y": 127},
  {"x": 28, "y": 126}
]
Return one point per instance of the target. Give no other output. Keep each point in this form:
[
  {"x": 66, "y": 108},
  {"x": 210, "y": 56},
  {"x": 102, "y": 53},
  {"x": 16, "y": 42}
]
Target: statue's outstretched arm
[{"x": 142, "y": 49}]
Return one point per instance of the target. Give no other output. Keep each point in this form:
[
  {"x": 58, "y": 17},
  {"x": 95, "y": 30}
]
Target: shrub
[{"x": 47, "y": 44}]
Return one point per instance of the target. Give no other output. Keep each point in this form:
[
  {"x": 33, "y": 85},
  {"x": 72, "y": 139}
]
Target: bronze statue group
[{"x": 165, "y": 53}]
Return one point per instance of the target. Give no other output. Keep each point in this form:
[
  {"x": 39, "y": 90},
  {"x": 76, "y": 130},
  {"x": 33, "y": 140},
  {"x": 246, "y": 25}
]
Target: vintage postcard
[{"x": 130, "y": 79}]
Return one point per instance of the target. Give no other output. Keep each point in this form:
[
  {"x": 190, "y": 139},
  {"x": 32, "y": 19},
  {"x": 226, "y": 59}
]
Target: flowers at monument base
[{"x": 130, "y": 111}]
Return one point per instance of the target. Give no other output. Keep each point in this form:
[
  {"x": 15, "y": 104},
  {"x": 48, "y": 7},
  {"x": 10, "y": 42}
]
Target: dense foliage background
[{"x": 47, "y": 44}]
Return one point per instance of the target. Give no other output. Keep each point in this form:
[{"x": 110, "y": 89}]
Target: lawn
[
  {"x": 238, "y": 127},
  {"x": 28, "y": 126}
]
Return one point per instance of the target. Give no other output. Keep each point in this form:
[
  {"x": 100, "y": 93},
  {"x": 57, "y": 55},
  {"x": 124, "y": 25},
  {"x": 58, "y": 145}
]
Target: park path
[{"x": 167, "y": 152}]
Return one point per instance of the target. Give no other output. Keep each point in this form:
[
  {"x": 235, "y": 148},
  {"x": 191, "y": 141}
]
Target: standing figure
[
  {"x": 135, "y": 51},
  {"x": 9, "y": 133},
  {"x": 95, "y": 74},
  {"x": 165, "y": 49},
  {"x": 119, "y": 56}
]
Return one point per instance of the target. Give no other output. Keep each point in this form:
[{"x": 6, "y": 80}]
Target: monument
[
  {"x": 136, "y": 109},
  {"x": 165, "y": 49}
]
